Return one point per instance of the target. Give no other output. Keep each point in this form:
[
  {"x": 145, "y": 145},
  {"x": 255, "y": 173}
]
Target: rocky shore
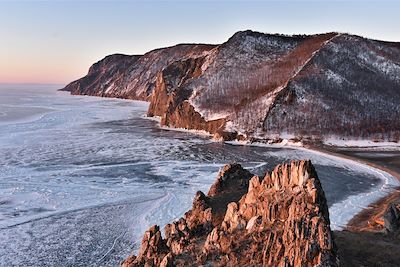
[
  {"x": 372, "y": 218},
  {"x": 372, "y": 237},
  {"x": 281, "y": 219}
]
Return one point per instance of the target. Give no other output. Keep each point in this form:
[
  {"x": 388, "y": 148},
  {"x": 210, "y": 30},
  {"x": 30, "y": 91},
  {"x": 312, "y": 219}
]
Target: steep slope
[
  {"x": 238, "y": 79},
  {"x": 350, "y": 88},
  {"x": 169, "y": 98},
  {"x": 262, "y": 65},
  {"x": 279, "y": 220},
  {"x": 131, "y": 77}
]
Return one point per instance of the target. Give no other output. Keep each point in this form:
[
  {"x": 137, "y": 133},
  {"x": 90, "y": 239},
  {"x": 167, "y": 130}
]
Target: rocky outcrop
[
  {"x": 169, "y": 85},
  {"x": 169, "y": 99},
  {"x": 392, "y": 218},
  {"x": 278, "y": 220}
]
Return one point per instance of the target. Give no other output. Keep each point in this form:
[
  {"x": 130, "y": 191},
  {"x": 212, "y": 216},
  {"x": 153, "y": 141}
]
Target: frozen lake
[{"x": 81, "y": 178}]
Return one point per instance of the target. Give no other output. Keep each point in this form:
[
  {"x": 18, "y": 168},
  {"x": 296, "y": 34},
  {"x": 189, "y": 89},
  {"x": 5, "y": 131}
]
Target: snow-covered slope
[
  {"x": 259, "y": 85},
  {"x": 351, "y": 88}
]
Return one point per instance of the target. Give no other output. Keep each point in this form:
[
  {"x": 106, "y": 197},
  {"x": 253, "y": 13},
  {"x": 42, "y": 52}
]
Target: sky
[{"x": 57, "y": 41}]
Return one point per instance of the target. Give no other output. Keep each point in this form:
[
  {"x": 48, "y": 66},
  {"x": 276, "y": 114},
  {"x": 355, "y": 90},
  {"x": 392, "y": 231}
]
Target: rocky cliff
[
  {"x": 278, "y": 220},
  {"x": 263, "y": 86}
]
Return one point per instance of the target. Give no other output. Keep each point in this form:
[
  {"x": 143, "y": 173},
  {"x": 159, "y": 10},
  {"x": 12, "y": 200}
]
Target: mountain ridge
[{"x": 263, "y": 86}]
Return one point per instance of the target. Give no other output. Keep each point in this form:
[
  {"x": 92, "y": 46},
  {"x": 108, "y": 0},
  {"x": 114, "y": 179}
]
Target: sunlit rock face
[
  {"x": 278, "y": 220},
  {"x": 263, "y": 86}
]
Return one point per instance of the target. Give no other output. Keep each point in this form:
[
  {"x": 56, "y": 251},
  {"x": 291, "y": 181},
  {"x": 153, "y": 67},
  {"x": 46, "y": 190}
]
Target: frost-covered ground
[{"x": 81, "y": 178}]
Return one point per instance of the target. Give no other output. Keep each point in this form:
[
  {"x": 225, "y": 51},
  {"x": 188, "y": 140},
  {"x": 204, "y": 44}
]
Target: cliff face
[
  {"x": 279, "y": 220},
  {"x": 169, "y": 99},
  {"x": 261, "y": 86}
]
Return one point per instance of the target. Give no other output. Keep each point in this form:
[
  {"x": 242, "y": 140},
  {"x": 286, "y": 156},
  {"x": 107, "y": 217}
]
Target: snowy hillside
[
  {"x": 264, "y": 86},
  {"x": 351, "y": 88}
]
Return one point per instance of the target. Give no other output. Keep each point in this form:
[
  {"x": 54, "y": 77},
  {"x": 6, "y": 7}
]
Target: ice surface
[{"x": 83, "y": 182}]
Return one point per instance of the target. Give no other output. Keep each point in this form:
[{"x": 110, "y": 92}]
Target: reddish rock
[
  {"x": 280, "y": 220},
  {"x": 152, "y": 250},
  {"x": 169, "y": 82},
  {"x": 231, "y": 177},
  {"x": 169, "y": 99}
]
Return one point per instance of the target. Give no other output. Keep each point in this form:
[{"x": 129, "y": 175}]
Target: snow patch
[
  {"x": 154, "y": 118},
  {"x": 184, "y": 130},
  {"x": 361, "y": 143},
  {"x": 269, "y": 144},
  {"x": 209, "y": 115},
  {"x": 335, "y": 77}
]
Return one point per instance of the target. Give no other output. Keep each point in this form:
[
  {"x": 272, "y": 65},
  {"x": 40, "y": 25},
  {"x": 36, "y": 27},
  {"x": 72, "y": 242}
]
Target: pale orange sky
[{"x": 57, "y": 41}]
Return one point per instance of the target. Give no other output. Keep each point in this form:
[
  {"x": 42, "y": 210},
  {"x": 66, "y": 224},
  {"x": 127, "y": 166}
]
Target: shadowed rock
[{"x": 392, "y": 218}]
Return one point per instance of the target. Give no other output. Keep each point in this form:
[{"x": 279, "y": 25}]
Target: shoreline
[
  {"x": 370, "y": 218},
  {"x": 332, "y": 151}
]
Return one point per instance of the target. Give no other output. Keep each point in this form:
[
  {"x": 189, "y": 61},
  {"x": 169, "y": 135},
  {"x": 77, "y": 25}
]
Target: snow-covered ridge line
[
  {"x": 268, "y": 100},
  {"x": 309, "y": 59},
  {"x": 269, "y": 97},
  {"x": 282, "y": 87}
]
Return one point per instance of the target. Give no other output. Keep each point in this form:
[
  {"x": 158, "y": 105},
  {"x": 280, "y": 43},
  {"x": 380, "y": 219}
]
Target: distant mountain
[{"x": 263, "y": 86}]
